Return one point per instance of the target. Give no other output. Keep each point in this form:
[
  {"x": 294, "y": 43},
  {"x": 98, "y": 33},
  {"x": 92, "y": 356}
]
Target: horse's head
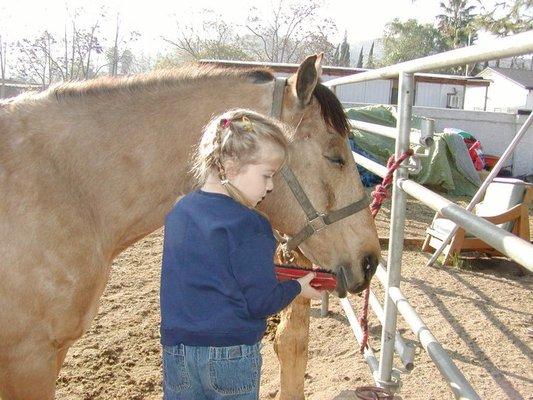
[{"x": 322, "y": 164}]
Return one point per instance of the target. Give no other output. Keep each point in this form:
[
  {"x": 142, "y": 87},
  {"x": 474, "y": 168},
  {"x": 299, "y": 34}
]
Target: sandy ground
[{"x": 480, "y": 313}]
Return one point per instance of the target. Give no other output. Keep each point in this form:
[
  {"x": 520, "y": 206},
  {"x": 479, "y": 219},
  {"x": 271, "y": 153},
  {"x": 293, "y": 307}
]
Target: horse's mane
[
  {"x": 330, "y": 106},
  {"x": 162, "y": 79}
]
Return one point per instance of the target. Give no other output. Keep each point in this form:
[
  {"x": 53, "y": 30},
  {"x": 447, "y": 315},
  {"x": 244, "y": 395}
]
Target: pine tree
[
  {"x": 344, "y": 57},
  {"x": 370, "y": 61},
  {"x": 360, "y": 61},
  {"x": 336, "y": 56}
]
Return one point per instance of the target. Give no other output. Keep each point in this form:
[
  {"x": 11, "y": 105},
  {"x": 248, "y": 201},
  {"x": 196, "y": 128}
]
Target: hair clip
[
  {"x": 225, "y": 122},
  {"x": 247, "y": 124}
]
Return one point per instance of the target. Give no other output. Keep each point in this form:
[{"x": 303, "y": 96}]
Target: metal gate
[{"x": 389, "y": 273}]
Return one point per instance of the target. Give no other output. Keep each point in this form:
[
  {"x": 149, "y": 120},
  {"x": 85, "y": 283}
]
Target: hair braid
[
  {"x": 217, "y": 161},
  {"x": 237, "y": 135},
  {"x": 217, "y": 154}
]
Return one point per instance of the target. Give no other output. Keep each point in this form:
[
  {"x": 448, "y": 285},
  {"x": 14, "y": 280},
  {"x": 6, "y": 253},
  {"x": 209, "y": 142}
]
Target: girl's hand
[{"x": 307, "y": 290}]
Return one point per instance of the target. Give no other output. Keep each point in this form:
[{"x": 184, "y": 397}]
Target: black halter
[{"x": 315, "y": 221}]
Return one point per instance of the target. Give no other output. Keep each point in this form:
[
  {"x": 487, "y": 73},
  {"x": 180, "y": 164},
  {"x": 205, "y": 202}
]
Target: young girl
[{"x": 218, "y": 284}]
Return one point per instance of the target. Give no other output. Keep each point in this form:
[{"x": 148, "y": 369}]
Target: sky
[{"x": 362, "y": 20}]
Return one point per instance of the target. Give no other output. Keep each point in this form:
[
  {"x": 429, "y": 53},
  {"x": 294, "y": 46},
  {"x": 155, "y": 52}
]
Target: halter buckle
[{"x": 317, "y": 223}]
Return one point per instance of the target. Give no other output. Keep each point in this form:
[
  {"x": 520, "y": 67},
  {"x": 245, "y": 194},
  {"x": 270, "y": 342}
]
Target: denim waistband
[
  {"x": 228, "y": 352},
  {"x": 215, "y": 353}
]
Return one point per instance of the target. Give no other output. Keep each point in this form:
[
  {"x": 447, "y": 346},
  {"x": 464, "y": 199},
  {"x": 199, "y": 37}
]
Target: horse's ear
[{"x": 307, "y": 77}]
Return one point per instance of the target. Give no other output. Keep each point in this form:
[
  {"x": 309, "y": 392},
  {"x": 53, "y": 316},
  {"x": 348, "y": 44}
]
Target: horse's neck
[{"x": 149, "y": 140}]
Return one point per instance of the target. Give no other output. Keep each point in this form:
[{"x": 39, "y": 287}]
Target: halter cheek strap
[
  {"x": 277, "y": 97},
  {"x": 315, "y": 221}
]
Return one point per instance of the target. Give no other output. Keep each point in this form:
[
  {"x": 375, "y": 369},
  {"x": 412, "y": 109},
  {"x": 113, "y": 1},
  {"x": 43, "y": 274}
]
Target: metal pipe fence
[
  {"x": 515, "y": 45},
  {"x": 423, "y": 137},
  {"x": 493, "y": 173},
  {"x": 514, "y": 247},
  {"x": 394, "y": 260}
]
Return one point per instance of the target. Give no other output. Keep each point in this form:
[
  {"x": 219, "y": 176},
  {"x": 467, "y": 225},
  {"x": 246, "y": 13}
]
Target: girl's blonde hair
[{"x": 238, "y": 135}]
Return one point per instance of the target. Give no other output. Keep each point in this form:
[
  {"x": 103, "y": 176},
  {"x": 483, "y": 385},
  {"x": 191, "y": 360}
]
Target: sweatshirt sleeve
[{"x": 253, "y": 268}]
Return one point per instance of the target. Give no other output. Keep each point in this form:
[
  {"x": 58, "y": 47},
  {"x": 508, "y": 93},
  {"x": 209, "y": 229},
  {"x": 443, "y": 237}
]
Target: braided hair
[{"x": 236, "y": 135}]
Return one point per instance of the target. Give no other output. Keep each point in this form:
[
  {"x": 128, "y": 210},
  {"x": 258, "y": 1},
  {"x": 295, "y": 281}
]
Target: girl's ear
[{"x": 231, "y": 167}]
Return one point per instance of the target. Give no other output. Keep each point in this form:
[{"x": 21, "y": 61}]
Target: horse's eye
[{"x": 337, "y": 160}]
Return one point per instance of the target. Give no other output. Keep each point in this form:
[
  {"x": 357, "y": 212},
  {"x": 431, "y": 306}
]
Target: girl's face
[{"x": 255, "y": 180}]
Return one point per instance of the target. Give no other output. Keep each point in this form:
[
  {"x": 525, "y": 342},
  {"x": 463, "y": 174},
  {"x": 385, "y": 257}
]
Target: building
[
  {"x": 12, "y": 88},
  {"x": 431, "y": 90},
  {"x": 510, "y": 91}
]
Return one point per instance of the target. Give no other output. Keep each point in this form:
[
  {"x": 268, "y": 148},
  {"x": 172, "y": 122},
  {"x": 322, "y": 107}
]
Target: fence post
[{"x": 394, "y": 260}]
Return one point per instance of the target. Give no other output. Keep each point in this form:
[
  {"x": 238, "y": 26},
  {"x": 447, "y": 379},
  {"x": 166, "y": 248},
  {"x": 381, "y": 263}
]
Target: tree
[
  {"x": 36, "y": 62},
  {"x": 370, "y": 61},
  {"x": 403, "y": 41},
  {"x": 336, "y": 55},
  {"x": 76, "y": 55},
  {"x": 507, "y": 18},
  {"x": 344, "y": 57},
  {"x": 341, "y": 57},
  {"x": 360, "y": 60},
  {"x": 119, "y": 58},
  {"x": 457, "y": 23},
  {"x": 84, "y": 43},
  {"x": 42, "y": 61},
  {"x": 290, "y": 31},
  {"x": 457, "y": 27},
  {"x": 315, "y": 42},
  {"x": 140, "y": 62},
  {"x": 216, "y": 40},
  {"x": 87, "y": 43}
]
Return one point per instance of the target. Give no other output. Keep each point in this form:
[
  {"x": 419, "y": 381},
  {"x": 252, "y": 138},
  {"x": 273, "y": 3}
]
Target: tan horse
[{"x": 87, "y": 169}]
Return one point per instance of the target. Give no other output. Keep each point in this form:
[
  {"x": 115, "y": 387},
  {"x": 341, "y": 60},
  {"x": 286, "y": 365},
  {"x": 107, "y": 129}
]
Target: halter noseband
[{"x": 315, "y": 221}]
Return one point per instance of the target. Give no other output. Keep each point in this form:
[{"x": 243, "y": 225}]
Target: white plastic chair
[{"x": 505, "y": 204}]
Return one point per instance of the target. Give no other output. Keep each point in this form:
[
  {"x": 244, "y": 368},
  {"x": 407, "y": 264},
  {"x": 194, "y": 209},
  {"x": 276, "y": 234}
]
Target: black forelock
[{"x": 332, "y": 110}]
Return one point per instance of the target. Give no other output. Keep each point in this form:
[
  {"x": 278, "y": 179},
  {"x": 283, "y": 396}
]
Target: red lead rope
[{"x": 379, "y": 194}]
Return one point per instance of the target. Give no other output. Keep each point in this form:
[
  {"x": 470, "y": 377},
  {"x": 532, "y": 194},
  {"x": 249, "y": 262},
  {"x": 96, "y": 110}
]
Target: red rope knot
[
  {"x": 379, "y": 194},
  {"x": 381, "y": 191}
]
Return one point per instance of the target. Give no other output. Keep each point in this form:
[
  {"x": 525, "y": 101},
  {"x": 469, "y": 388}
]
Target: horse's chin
[
  {"x": 342, "y": 283},
  {"x": 343, "y": 287}
]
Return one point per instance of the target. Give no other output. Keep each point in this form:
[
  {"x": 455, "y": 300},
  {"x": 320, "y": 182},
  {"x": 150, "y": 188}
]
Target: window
[{"x": 452, "y": 100}]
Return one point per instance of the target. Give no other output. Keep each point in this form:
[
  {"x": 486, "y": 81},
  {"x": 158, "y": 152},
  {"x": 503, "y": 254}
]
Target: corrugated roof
[
  {"x": 523, "y": 77},
  {"x": 345, "y": 71},
  {"x": 15, "y": 83}
]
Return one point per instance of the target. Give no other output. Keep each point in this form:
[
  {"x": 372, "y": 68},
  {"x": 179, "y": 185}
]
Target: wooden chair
[{"x": 506, "y": 204}]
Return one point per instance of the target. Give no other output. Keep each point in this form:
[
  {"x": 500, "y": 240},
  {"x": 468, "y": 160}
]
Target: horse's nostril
[{"x": 370, "y": 263}]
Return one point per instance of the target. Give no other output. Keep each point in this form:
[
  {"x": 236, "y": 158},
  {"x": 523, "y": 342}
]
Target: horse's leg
[
  {"x": 290, "y": 344},
  {"x": 29, "y": 373},
  {"x": 60, "y": 357}
]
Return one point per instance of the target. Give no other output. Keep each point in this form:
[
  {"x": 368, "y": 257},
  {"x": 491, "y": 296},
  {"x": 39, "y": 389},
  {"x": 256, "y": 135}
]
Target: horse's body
[{"x": 87, "y": 169}]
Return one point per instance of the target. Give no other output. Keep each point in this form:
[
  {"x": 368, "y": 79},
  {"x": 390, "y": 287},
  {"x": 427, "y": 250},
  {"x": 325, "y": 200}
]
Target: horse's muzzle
[{"x": 346, "y": 280}]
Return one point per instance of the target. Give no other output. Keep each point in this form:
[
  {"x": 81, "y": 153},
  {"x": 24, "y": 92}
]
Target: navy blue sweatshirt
[{"x": 218, "y": 283}]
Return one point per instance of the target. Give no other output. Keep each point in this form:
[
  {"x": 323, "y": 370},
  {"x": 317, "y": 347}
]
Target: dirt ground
[{"x": 481, "y": 314}]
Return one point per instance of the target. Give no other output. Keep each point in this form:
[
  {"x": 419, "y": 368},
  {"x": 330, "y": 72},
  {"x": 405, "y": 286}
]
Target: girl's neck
[{"x": 213, "y": 185}]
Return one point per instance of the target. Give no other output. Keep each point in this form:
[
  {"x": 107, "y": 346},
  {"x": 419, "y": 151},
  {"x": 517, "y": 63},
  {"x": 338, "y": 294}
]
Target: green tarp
[{"x": 448, "y": 166}]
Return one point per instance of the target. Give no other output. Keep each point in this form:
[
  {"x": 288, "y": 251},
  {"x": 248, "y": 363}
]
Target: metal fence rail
[
  {"x": 423, "y": 137},
  {"x": 515, "y": 45},
  {"x": 514, "y": 247},
  {"x": 507, "y": 243}
]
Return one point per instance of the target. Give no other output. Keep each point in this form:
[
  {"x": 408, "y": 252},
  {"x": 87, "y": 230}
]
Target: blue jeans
[{"x": 198, "y": 373}]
